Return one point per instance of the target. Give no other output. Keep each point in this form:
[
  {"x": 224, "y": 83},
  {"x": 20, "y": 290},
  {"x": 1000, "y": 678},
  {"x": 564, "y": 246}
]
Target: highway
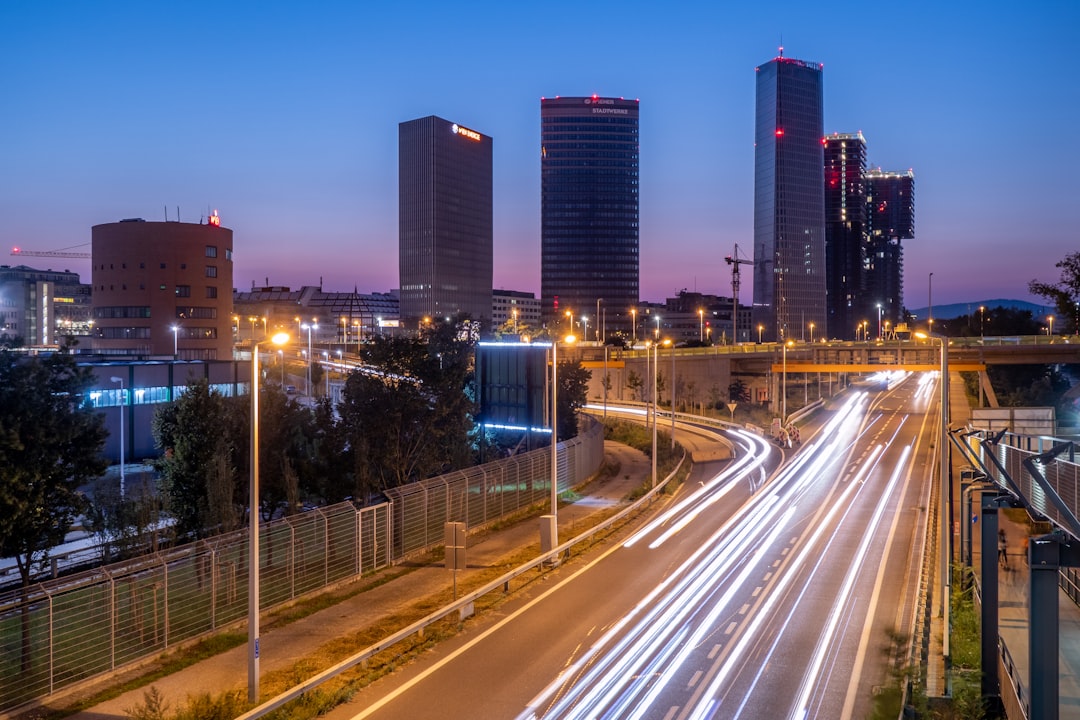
[{"x": 746, "y": 595}]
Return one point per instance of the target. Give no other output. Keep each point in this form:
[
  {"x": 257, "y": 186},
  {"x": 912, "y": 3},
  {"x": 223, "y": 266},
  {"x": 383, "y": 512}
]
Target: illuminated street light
[
  {"x": 672, "y": 344},
  {"x": 569, "y": 339},
  {"x": 945, "y": 522},
  {"x": 811, "y": 333},
  {"x": 657, "y": 328},
  {"x": 584, "y": 329},
  {"x": 701, "y": 325},
  {"x": 760, "y": 329},
  {"x": 879, "y": 321},
  {"x": 253, "y": 526},
  {"x": 175, "y": 333},
  {"x": 633, "y": 312},
  {"x": 309, "y": 328},
  {"x": 783, "y": 393},
  {"x": 982, "y": 322},
  {"x": 1050, "y": 330},
  {"x": 123, "y": 397}
]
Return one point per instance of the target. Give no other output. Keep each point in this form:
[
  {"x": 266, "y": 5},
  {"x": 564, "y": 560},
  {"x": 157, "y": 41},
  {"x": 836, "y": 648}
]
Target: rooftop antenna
[
  {"x": 166, "y": 213},
  {"x": 781, "y": 44},
  {"x": 177, "y": 213}
]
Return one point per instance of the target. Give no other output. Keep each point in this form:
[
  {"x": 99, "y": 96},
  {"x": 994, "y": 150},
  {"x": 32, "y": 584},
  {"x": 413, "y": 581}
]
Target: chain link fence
[{"x": 57, "y": 633}]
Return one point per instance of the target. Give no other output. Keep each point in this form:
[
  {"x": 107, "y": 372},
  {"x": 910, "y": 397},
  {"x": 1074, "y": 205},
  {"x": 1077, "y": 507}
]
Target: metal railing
[{"x": 61, "y": 632}]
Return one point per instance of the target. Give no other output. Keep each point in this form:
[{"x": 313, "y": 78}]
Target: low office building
[
  {"x": 163, "y": 288},
  {"x": 42, "y": 306}
]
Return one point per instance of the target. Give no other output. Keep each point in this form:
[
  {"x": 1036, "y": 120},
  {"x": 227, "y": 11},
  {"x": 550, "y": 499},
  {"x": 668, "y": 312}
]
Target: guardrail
[{"x": 462, "y": 606}]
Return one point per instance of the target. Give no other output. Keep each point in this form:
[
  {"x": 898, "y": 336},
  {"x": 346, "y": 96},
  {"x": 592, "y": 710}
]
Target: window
[
  {"x": 211, "y": 271},
  {"x": 211, "y": 291},
  {"x": 162, "y": 266},
  {"x": 183, "y": 291},
  {"x": 211, "y": 251}
]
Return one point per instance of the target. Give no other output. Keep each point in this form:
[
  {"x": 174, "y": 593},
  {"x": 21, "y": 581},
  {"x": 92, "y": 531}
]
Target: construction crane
[
  {"x": 735, "y": 261},
  {"x": 62, "y": 253}
]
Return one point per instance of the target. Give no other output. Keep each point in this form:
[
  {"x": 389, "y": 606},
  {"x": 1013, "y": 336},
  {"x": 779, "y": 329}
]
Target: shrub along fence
[{"x": 57, "y": 633}]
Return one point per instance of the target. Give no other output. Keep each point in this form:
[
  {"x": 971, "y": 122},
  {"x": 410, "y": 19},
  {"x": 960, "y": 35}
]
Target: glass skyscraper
[
  {"x": 589, "y": 208},
  {"x": 845, "y": 232},
  {"x": 444, "y": 221},
  {"x": 890, "y": 216},
  {"x": 789, "y": 205}
]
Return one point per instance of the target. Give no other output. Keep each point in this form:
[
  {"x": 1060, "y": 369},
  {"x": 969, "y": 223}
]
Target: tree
[
  {"x": 413, "y": 418},
  {"x": 50, "y": 445},
  {"x": 1065, "y": 293},
  {"x": 738, "y": 392},
  {"x": 635, "y": 383},
  {"x": 201, "y": 438},
  {"x": 573, "y": 394}
]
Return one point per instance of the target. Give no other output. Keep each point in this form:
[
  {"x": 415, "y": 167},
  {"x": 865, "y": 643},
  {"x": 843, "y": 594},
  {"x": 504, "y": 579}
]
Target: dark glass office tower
[
  {"x": 890, "y": 199},
  {"x": 789, "y": 204},
  {"x": 845, "y": 228},
  {"x": 444, "y": 221},
  {"x": 589, "y": 208}
]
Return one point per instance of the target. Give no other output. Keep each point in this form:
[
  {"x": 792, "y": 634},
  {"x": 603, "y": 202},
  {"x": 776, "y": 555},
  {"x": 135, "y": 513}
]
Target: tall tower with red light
[{"x": 789, "y": 204}]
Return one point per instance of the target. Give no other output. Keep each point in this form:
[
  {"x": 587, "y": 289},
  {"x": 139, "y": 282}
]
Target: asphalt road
[{"x": 748, "y": 594}]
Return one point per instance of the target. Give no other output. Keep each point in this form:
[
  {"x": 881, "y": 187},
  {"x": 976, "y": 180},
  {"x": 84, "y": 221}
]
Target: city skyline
[{"x": 286, "y": 124}]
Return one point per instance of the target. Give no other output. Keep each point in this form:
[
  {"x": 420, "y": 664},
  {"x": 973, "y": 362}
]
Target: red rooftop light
[{"x": 779, "y": 132}]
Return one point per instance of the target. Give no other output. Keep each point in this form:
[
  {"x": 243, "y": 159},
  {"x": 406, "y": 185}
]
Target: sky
[{"x": 282, "y": 116}]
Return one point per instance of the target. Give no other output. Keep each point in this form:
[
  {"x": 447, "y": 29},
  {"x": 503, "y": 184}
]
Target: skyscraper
[
  {"x": 789, "y": 205},
  {"x": 845, "y": 231},
  {"x": 444, "y": 220},
  {"x": 890, "y": 199},
  {"x": 589, "y": 208}
]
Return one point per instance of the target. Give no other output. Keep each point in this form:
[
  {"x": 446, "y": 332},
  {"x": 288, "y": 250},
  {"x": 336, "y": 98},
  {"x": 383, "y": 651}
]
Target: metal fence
[
  {"x": 491, "y": 491},
  {"x": 57, "y": 633}
]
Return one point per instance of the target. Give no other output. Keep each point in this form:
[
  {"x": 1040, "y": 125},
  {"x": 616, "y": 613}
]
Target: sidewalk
[
  {"x": 1013, "y": 611},
  {"x": 283, "y": 646}
]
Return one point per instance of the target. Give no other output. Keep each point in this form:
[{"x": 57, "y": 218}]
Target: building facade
[
  {"x": 890, "y": 199},
  {"x": 445, "y": 236},
  {"x": 338, "y": 317},
  {"x": 162, "y": 288},
  {"x": 789, "y": 205},
  {"x": 589, "y": 218},
  {"x": 43, "y": 306},
  {"x": 522, "y": 309},
  {"x": 845, "y": 232}
]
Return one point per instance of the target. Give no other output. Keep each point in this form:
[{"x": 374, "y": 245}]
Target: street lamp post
[
  {"x": 657, "y": 328},
  {"x": 584, "y": 329},
  {"x": 656, "y": 361},
  {"x": 281, "y": 359},
  {"x": 879, "y": 321},
  {"x": 811, "y": 333},
  {"x": 760, "y": 329},
  {"x": 253, "y": 527},
  {"x": 555, "y": 438},
  {"x": 175, "y": 334},
  {"x": 123, "y": 397},
  {"x": 633, "y": 313},
  {"x": 783, "y": 390},
  {"x": 672, "y": 343},
  {"x": 982, "y": 322},
  {"x": 701, "y": 325},
  {"x": 1050, "y": 330},
  {"x": 598, "y": 321},
  {"x": 309, "y": 328},
  {"x": 345, "y": 331},
  {"x": 326, "y": 371}
]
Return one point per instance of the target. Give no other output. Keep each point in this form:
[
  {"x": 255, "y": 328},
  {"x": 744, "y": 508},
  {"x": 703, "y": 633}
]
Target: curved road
[{"x": 740, "y": 598}]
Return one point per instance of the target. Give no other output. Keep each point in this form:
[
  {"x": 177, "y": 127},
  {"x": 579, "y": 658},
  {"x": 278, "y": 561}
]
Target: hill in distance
[{"x": 955, "y": 310}]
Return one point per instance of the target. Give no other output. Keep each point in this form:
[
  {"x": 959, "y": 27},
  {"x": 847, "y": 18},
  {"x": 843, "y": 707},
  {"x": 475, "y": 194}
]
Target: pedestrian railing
[{"x": 58, "y": 633}]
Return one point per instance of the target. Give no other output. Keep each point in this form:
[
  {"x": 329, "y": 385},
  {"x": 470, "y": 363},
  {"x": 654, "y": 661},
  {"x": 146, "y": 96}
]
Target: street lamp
[
  {"x": 555, "y": 437},
  {"x": 783, "y": 392},
  {"x": 514, "y": 312},
  {"x": 1050, "y": 330},
  {"x": 309, "y": 328},
  {"x": 584, "y": 329},
  {"x": 358, "y": 330},
  {"x": 281, "y": 359},
  {"x": 760, "y": 329},
  {"x": 123, "y": 397},
  {"x": 945, "y": 523},
  {"x": 656, "y": 361},
  {"x": 175, "y": 334},
  {"x": 879, "y": 321},
  {"x": 701, "y": 325},
  {"x": 982, "y": 322},
  {"x": 326, "y": 371},
  {"x": 344, "y": 330},
  {"x": 811, "y": 333},
  {"x": 672, "y": 344},
  {"x": 633, "y": 312},
  {"x": 253, "y": 526},
  {"x": 657, "y": 328}
]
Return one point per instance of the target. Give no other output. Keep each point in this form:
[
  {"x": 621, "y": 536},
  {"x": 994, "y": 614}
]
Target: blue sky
[{"x": 283, "y": 117}]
